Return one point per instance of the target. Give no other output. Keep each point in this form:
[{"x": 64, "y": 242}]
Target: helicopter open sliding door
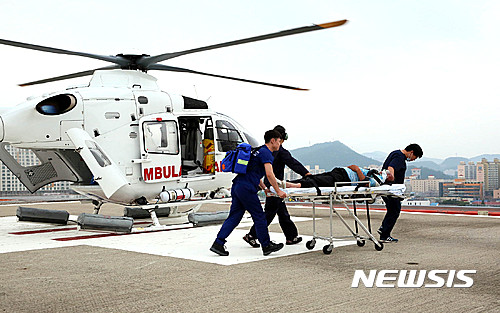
[
  {"x": 197, "y": 145},
  {"x": 160, "y": 154}
]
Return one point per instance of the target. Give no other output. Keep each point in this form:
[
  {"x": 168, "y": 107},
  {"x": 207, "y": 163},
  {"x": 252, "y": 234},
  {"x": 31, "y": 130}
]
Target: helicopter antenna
[{"x": 195, "y": 91}]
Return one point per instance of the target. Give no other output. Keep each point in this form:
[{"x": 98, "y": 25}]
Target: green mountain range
[{"x": 329, "y": 155}]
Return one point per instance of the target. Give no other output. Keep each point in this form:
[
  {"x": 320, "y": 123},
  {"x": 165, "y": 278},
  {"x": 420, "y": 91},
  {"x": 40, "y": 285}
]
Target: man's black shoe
[
  {"x": 272, "y": 247},
  {"x": 251, "y": 241},
  {"x": 294, "y": 241},
  {"x": 388, "y": 239},
  {"x": 219, "y": 249}
]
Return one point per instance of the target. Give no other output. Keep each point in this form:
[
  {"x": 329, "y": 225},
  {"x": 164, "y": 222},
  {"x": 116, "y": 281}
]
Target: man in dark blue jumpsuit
[
  {"x": 244, "y": 196},
  {"x": 396, "y": 164},
  {"x": 276, "y": 205}
]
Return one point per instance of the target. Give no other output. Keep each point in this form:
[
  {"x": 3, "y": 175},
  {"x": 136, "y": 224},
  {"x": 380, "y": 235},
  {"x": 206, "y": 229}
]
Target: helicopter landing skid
[{"x": 174, "y": 206}]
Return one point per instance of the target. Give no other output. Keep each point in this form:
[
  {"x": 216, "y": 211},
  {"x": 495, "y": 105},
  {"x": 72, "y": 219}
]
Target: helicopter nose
[{"x": 1, "y": 129}]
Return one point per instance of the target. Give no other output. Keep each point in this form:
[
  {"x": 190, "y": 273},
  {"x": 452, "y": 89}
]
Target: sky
[{"x": 398, "y": 72}]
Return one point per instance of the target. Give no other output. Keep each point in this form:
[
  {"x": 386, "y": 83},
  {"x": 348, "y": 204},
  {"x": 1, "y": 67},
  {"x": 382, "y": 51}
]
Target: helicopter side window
[
  {"x": 98, "y": 154},
  {"x": 161, "y": 137},
  {"x": 228, "y": 136},
  {"x": 252, "y": 141}
]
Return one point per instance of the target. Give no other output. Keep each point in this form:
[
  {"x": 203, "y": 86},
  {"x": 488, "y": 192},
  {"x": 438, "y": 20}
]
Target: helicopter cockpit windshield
[{"x": 228, "y": 137}]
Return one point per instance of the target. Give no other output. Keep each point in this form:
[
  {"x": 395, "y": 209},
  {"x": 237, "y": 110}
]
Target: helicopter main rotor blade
[
  {"x": 162, "y": 67},
  {"x": 147, "y": 61},
  {"x": 74, "y": 75},
  {"x": 109, "y": 58}
]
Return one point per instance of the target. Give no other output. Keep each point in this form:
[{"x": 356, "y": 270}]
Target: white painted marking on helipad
[{"x": 192, "y": 243}]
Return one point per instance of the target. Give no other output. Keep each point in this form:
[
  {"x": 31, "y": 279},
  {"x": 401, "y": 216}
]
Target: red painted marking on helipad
[
  {"x": 415, "y": 210},
  {"x": 39, "y": 231},
  {"x": 114, "y": 234}
]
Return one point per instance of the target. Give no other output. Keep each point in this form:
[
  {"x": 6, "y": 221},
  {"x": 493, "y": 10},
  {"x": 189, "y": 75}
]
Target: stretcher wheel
[
  {"x": 360, "y": 243},
  {"x": 379, "y": 248},
  {"x": 327, "y": 249},
  {"x": 310, "y": 244}
]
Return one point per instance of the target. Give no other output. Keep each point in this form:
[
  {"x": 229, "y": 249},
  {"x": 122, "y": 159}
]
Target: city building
[
  {"x": 461, "y": 188},
  {"x": 416, "y": 172},
  {"x": 424, "y": 187},
  {"x": 467, "y": 171},
  {"x": 291, "y": 175},
  {"x": 491, "y": 177},
  {"x": 484, "y": 172},
  {"x": 414, "y": 202}
]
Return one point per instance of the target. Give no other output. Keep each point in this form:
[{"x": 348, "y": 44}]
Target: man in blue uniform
[
  {"x": 396, "y": 164},
  {"x": 244, "y": 196},
  {"x": 276, "y": 205}
]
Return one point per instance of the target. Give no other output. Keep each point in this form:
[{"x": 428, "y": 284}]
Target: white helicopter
[{"x": 123, "y": 140}]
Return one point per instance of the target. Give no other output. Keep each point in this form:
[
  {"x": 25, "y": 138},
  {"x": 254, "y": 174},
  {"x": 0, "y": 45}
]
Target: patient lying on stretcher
[{"x": 351, "y": 173}]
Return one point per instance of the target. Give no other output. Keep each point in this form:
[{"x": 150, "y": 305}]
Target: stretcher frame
[{"x": 338, "y": 196}]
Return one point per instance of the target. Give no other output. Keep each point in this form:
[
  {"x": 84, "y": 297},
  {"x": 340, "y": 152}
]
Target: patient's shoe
[
  {"x": 294, "y": 241},
  {"x": 251, "y": 241}
]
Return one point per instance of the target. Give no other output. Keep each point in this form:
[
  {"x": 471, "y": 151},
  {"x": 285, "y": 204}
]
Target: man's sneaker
[
  {"x": 251, "y": 241},
  {"x": 388, "y": 239},
  {"x": 219, "y": 249},
  {"x": 272, "y": 247},
  {"x": 294, "y": 241}
]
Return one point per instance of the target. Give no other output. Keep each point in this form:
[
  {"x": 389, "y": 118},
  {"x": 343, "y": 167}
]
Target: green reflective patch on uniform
[{"x": 242, "y": 162}]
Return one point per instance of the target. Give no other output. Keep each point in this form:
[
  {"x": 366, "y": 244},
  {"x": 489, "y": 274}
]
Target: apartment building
[
  {"x": 425, "y": 187},
  {"x": 467, "y": 171},
  {"x": 491, "y": 177}
]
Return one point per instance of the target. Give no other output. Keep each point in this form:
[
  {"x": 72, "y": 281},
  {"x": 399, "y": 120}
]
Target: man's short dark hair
[
  {"x": 282, "y": 131},
  {"x": 270, "y": 134},
  {"x": 417, "y": 151}
]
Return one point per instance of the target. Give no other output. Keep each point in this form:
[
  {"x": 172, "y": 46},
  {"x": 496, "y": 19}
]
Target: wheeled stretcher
[{"x": 345, "y": 195}]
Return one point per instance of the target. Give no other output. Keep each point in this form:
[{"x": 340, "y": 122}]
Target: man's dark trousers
[
  {"x": 244, "y": 197},
  {"x": 393, "y": 206},
  {"x": 275, "y": 205}
]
